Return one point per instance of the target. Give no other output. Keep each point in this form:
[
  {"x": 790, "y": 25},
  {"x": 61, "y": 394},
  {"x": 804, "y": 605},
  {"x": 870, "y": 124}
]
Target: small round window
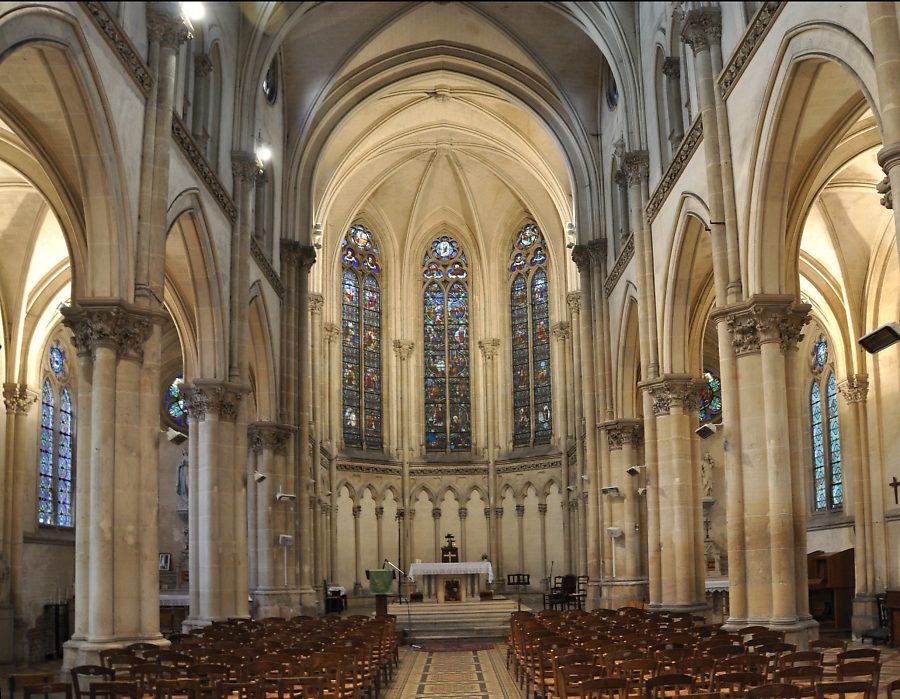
[{"x": 270, "y": 82}]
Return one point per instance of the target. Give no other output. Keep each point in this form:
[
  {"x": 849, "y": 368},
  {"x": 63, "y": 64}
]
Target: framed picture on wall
[{"x": 165, "y": 561}]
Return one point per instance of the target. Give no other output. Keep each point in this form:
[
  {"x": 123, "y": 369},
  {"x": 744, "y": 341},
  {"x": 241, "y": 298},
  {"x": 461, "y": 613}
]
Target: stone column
[
  {"x": 498, "y": 527},
  {"x": 18, "y": 400},
  {"x": 306, "y": 259},
  {"x": 561, "y": 334},
  {"x": 674, "y": 402},
  {"x": 379, "y": 527},
  {"x": 120, "y": 495},
  {"x": 671, "y": 68},
  {"x": 764, "y": 329},
  {"x": 436, "y": 517},
  {"x": 853, "y": 418},
  {"x": 489, "y": 348},
  {"x": 542, "y": 515},
  {"x": 581, "y": 258},
  {"x": 200, "y": 115},
  {"x": 621, "y": 180},
  {"x": 213, "y": 411},
  {"x": 520, "y": 525},
  {"x": 275, "y": 589},
  {"x": 463, "y": 549},
  {"x": 357, "y": 584},
  {"x": 318, "y": 371},
  {"x": 579, "y": 558},
  {"x": 883, "y": 26},
  {"x": 403, "y": 349},
  {"x": 332, "y": 386}
]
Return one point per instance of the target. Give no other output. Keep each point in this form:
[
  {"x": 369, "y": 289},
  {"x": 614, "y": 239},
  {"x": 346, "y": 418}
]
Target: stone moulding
[
  {"x": 367, "y": 468},
  {"x": 268, "y": 270},
  {"x": 202, "y": 167},
  {"x": 673, "y": 172},
  {"x": 750, "y": 41},
  {"x": 621, "y": 263},
  {"x": 121, "y": 44}
]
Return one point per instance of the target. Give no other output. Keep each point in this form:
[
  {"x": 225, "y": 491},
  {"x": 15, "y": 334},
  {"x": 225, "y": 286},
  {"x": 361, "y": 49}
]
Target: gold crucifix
[{"x": 895, "y": 484}]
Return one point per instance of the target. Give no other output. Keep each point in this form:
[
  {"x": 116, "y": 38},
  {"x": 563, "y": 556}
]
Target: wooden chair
[
  {"x": 827, "y": 690},
  {"x": 47, "y": 689},
  {"x": 181, "y": 688},
  {"x": 893, "y": 686},
  {"x": 115, "y": 689},
  {"x": 140, "y": 648},
  {"x": 663, "y": 686},
  {"x": 237, "y": 690},
  {"x": 121, "y": 663},
  {"x": 603, "y": 688},
  {"x": 700, "y": 668},
  {"x": 736, "y": 684},
  {"x": 800, "y": 657},
  {"x": 636, "y": 671},
  {"x": 858, "y": 654},
  {"x": 830, "y": 648},
  {"x": 867, "y": 670},
  {"x": 804, "y": 677},
  {"x": 774, "y": 690},
  {"x": 148, "y": 675},
  {"x": 302, "y": 687},
  {"x": 80, "y": 691},
  {"x": 572, "y": 676}
]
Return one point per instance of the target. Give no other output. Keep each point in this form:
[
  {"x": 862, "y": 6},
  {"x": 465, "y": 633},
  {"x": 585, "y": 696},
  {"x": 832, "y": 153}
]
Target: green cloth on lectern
[{"x": 380, "y": 581}]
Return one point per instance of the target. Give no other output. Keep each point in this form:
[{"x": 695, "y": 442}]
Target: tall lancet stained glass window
[
  {"x": 57, "y": 449},
  {"x": 530, "y": 315},
  {"x": 828, "y": 481},
  {"x": 361, "y": 339},
  {"x": 445, "y": 300}
]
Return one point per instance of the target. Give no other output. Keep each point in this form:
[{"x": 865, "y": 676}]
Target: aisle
[{"x": 464, "y": 674}]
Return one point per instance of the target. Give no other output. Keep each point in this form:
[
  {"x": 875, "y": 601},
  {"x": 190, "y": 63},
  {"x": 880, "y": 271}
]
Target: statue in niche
[
  {"x": 181, "y": 475},
  {"x": 706, "y": 466}
]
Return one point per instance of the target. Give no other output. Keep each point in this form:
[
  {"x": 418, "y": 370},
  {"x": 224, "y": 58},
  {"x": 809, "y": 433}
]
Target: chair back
[
  {"x": 826, "y": 690},
  {"x": 774, "y": 690},
  {"x": 83, "y": 690}
]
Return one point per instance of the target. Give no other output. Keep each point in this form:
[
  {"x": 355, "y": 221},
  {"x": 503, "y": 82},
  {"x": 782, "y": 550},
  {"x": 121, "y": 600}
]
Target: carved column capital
[
  {"x": 702, "y": 27},
  {"x": 463, "y": 512},
  {"x": 403, "y": 349},
  {"x": 487, "y": 512},
  {"x": 268, "y": 435},
  {"x": 332, "y": 332},
  {"x": 357, "y": 511},
  {"x": 562, "y": 330},
  {"x": 597, "y": 250},
  {"x": 573, "y": 300},
  {"x": 855, "y": 388},
  {"x": 489, "y": 347},
  {"x": 542, "y": 508},
  {"x": 581, "y": 256},
  {"x": 166, "y": 25},
  {"x": 295, "y": 253},
  {"x": 379, "y": 512},
  {"x": 18, "y": 399},
  {"x": 203, "y": 64},
  {"x": 636, "y": 165},
  {"x": 436, "y": 512},
  {"x": 115, "y": 324},
  {"x": 245, "y": 166},
  {"x": 207, "y": 397},
  {"x": 884, "y": 189},
  {"x": 316, "y": 302},
  {"x": 671, "y": 67},
  {"x": 766, "y": 318},
  {"x": 498, "y": 511},
  {"x": 622, "y": 432},
  {"x": 674, "y": 391},
  {"x": 520, "y": 510}
]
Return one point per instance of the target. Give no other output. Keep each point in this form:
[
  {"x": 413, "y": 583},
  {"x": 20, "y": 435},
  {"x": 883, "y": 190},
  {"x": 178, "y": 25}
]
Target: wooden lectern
[
  {"x": 892, "y": 604},
  {"x": 831, "y": 585}
]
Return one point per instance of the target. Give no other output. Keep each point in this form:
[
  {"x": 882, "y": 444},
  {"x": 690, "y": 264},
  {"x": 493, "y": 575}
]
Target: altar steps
[{"x": 425, "y": 622}]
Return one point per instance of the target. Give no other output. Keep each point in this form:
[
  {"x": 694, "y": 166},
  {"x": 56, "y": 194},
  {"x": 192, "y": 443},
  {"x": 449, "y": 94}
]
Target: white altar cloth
[{"x": 464, "y": 568}]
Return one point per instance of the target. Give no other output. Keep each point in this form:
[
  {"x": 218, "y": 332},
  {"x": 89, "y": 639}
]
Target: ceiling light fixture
[{"x": 193, "y": 10}]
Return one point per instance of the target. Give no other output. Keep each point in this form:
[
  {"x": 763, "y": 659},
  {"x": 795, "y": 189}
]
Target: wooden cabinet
[{"x": 831, "y": 587}]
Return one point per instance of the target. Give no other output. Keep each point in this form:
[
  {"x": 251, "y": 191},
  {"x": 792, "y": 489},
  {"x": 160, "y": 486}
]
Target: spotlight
[
  {"x": 610, "y": 490},
  {"x": 264, "y": 153},
  {"x": 193, "y": 10},
  {"x": 633, "y": 470},
  {"x": 570, "y": 487},
  {"x": 613, "y": 532},
  {"x": 284, "y": 497},
  {"x": 706, "y": 430},
  {"x": 285, "y": 539},
  {"x": 642, "y": 492},
  {"x": 259, "y": 477},
  {"x": 880, "y": 338},
  {"x": 584, "y": 476}
]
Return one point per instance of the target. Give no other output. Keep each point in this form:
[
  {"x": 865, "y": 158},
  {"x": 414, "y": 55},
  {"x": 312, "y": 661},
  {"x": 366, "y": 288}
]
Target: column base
[
  {"x": 283, "y": 602},
  {"x": 799, "y": 631},
  {"x": 81, "y": 651},
  {"x": 865, "y": 614},
  {"x": 594, "y": 596},
  {"x": 309, "y": 601},
  {"x": 699, "y": 608},
  {"x": 623, "y": 592}
]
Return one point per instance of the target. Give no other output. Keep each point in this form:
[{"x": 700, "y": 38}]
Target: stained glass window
[
  {"x": 711, "y": 398},
  {"x": 176, "y": 408},
  {"x": 361, "y": 340},
  {"x": 445, "y": 306},
  {"x": 530, "y": 318},
  {"x": 828, "y": 481},
  {"x": 56, "y": 471}
]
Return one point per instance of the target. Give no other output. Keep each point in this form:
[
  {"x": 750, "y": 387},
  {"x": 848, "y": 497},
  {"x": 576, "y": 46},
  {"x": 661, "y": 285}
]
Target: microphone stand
[{"x": 400, "y": 597}]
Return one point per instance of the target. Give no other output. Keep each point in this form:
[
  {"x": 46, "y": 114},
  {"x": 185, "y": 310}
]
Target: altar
[{"x": 450, "y": 582}]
